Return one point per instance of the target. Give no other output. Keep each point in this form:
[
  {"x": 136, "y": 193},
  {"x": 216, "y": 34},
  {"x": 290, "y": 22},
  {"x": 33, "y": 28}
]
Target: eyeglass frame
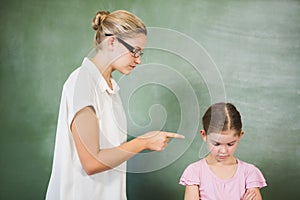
[{"x": 136, "y": 51}]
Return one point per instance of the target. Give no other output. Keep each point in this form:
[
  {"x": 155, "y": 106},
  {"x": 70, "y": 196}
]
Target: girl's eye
[
  {"x": 230, "y": 144},
  {"x": 216, "y": 144}
]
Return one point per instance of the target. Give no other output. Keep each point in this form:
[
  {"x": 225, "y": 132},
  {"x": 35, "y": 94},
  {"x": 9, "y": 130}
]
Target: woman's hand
[{"x": 158, "y": 140}]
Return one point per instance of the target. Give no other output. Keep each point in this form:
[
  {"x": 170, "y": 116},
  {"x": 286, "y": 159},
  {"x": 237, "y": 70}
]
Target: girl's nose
[{"x": 223, "y": 149}]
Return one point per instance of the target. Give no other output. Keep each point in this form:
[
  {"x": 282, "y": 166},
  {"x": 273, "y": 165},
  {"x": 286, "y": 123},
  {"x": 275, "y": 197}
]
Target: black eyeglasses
[{"x": 136, "y": 51}]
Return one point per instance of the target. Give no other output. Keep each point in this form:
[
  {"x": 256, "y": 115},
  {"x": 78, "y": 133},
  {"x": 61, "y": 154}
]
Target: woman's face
[{"x": 124, "y": 60}]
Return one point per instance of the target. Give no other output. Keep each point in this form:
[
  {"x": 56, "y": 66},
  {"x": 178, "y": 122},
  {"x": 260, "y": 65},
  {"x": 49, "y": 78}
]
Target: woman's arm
[
  {"x": 85, "y": 130},
  {"x": 252, "y": 194},
  {"x": 191, "y": 192}
]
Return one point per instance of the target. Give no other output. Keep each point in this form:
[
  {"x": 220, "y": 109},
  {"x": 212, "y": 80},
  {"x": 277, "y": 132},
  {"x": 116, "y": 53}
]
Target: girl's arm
[
  {"x": 85, "y": 130},
  {"x": 191, "y": 192},
  {"x": 252, "y": 194}
]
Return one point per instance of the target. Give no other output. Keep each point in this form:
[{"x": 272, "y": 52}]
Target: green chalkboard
[{"x": 198, "y": 52}]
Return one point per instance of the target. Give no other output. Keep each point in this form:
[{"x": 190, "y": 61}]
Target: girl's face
[
  {"x": 222, "y": 145},
  {"x": 124, "y": 60}
]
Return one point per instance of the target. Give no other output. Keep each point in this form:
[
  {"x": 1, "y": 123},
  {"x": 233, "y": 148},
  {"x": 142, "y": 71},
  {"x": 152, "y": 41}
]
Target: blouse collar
[{"x": 97, "y": 76}]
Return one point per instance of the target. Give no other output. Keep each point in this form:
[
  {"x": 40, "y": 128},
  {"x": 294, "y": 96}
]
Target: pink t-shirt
[{"x": 212, "y": 187}]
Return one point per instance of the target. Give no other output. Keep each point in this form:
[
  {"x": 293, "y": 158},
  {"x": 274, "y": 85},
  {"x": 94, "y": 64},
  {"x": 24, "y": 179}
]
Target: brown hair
[
  {"x": 222, "y": 117},
  {"x": 120, "y": 23}
]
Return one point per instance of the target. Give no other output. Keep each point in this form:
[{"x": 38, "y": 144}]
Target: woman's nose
[{"x": 138, "y": 60}]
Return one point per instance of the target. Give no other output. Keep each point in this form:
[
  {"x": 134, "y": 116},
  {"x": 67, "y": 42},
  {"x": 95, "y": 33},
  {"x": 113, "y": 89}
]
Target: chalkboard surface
[{"x": 198, "y": 52}]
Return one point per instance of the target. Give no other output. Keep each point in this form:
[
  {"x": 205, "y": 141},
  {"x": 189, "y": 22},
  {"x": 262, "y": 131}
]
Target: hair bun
[{"x": 99, "y": 18}]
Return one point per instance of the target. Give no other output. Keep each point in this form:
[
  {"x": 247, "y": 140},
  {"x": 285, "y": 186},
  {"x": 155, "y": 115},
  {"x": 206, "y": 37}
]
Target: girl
[
  {"x": 220, "y": 175},
  {"x": 91, "y": 148}
]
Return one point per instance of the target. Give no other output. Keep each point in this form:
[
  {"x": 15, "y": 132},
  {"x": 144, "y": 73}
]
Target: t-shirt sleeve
[
  {"x": 254, "y": 178},
  {"x": 191, "y": 175}
]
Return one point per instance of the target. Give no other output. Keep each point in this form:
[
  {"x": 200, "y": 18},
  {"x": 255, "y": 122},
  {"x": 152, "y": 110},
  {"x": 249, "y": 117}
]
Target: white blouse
[{"x": 68, "y": 181}]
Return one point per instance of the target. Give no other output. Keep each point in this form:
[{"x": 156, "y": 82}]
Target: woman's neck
[
  {"x": 105, "y": 70},
  {"x": 107, "y": 76}
]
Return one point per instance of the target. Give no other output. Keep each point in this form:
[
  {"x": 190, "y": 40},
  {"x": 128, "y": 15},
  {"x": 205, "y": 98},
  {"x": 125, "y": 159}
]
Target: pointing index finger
[{"x": 174, "y": 135}]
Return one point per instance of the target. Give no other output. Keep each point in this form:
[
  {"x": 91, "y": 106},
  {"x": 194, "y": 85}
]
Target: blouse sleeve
[
  {"x": 254, "y": 178},
  {"x": 191, "y": 175},
  {"x": 80, "y": 94}
]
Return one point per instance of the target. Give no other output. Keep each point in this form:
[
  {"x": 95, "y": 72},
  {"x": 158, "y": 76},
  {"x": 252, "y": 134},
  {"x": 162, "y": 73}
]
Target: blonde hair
[{"x": 120, "y": 23}]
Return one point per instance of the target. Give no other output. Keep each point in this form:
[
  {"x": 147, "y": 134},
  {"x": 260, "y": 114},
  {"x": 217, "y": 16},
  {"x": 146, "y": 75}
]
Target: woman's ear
[
  {"x": 203, "y": 134},
  {"x": 110, "y": 42}
]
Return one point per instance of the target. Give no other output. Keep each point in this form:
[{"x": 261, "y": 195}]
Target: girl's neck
[
  {"x": 210, "y": 160},
  {"x": 222, "y": 170}
]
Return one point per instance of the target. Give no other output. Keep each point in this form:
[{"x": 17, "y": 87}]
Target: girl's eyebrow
[{"x": 221, "y": 143}]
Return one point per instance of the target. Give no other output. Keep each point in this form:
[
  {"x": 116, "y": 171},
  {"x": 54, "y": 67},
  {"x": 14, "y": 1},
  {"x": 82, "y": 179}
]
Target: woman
[{"x": 91, "y": 149}]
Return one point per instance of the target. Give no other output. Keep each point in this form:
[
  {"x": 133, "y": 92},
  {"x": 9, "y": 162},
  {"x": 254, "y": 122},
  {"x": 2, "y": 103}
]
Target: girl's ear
[
  {"x": 203, "y": 134},
  {"x": 241, "y": 134}
]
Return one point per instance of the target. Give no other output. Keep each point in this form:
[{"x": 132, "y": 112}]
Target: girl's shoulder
[
  {"x": 248, "y": 168},
  {"x": 195, "y": 167},
  {"x": 192, "y": 174},
  {"x": 245, "y": 165},
  {"x": 197, "y": 164},
  {"x": 253, "y": 176}
]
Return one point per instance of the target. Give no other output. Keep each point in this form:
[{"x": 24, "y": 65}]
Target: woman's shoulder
[
  {"x": 70, "y": 82},
  {"x": 80, "y": 72}
]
